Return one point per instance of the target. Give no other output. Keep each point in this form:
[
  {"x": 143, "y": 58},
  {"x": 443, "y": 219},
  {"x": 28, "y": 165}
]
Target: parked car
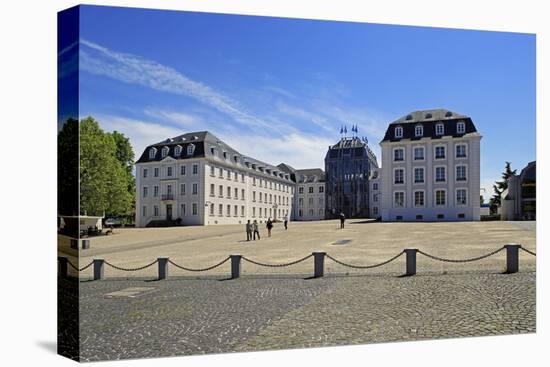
[{"x": 114, "y": 222}]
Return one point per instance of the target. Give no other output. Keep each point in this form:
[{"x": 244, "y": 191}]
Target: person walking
[
  {"x": 255, "y": 229},
  {"x": 248, "y": 230},
  {"x": 285, "y": 219},
  {"x": 342, "y": 220},
  {"x": 269, "y": 225}
]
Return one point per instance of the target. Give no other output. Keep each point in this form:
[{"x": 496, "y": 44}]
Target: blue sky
[{"x": 279, "y": 89}]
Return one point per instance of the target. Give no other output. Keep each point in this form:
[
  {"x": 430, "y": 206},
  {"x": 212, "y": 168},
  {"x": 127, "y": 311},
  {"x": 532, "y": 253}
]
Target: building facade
[
  {"x": 518, "y": 201},
  {"x": 348, "y": 166},
  {"x": 430, "y": 168},
  {"x": 197, "y": 179},
  {"x": 309, "y": 198}
]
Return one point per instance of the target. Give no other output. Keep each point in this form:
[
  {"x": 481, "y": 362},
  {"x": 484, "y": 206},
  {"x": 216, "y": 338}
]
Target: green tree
[
  {"x": 103, "y": 178},
  {"x": 500, "y": 186},
  {"x": 67, "y": 168},
  {"x": 481, "y": 201},
  {"x": 125, "y": 155}
]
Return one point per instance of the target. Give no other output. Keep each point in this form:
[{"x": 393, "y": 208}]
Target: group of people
[{"x": 253, "y": 231}]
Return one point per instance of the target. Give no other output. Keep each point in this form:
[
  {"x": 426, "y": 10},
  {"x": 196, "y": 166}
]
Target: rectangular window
[
  {"x": 461, "y": 216},
  {"x": 236, "y": 193},
  {"x": 440, "y": 216},
  {"x": 461, "y": 151},
  {"x": 220, "y": 191},
  {"x": 195, "y": 169},
  {"x": 212, "y": 171},
  {"x": 242, "y": 211},
  {"x": 461, "y": 197},
  {"x": 195, "y": 189},
  {"x": 169, "y": 191},
  {"x": 156, "y": 172},
  {"x": 220, "y": 174},
  {"x": 182, "y": 210},
  {"x": 375, "y": 198},
  {"x": 253, "y": 195},
  {"x": 211, "y": 209},
  {"x": 212, "y": 190},
  {"x": 182, "y": 170},
  {"x": 156, "y": 210},
  {"x": 169, "y": 171},
  {"x": 418, "y": 154},
  {"x": 419, "y": 198},
  {"x": 419, "y": 217},
  {"x": 300, "y": 190},
  {"x": 461, "y": 173},
  {"x": 375, "y": 210},
  {"x": 398, "y": 155},
  {"x": 398, "y": 217},
  {"x": 321, "y": 189},
  {"x": 419, "y": 175},
  {"x": 439, "y": 174},
  {"x": 229, "y": 192},
  {"x": 300, "y": 201},
  {"x": 399, "y": 176},
  {"x": 375, "y": 186},
  {"x": 242, "y": 194},
  {"x": 195, "y": 209},
  {"x": 145, "y": 191},
  {"x": 236, "y": 211},
  {"x": 144, "y": 211},
  {"x": 182, "y": 189},
  {"x": 242, "y": 177},
  {"x": 439, "y": 152},
  {"x": 253, "y": 212},
  {"x": 220, "y": 210},
  {"x": 228, "y": 172},
  {"x": 310, "y": 202},
  {"x": 440, "y": 197},
  {"x": 155, "y": 191},
  {"x": 145, "y": 172},
  {"x": 399, "y": 199}
]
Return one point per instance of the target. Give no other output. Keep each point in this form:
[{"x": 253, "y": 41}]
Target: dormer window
[
  {"x": 177, "y": 150},
  {"x": 448, "y": 114},
  {"x": 152, "y": 153},
  {"x": 225, "y": 155},
  {"x": 190, "y": 149},
  {"x": 418, "y": 130},
  {"x": 439, "y": 130},
  {"x": 460, "y": 127},
  {"x": 213, "y": 151},
  {"x": 164, "y": 151},
  {"x": 428, "y": 115},
  {"x": 409, "y": 117},
  {"x": 236, "y": 159},
  {"x": 398, "y": 132}
]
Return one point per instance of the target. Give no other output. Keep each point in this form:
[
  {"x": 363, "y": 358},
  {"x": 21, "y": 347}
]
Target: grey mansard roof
[
  {"x": 207, "y": 145},
  {"x": 310, "y": 175},
  {"x": 428, "y": 119}
]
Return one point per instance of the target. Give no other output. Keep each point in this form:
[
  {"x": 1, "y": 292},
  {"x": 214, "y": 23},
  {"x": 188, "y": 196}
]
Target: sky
[{"x": 279, "y": 89}]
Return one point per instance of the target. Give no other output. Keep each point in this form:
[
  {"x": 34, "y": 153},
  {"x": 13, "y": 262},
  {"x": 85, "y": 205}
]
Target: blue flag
[
  {"x": 345, "y": 129},
  {"x": 341, "y": 129}
]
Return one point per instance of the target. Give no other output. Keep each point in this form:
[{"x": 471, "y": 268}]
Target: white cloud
[
  {"x": 185, "y": 120},
  {"x": 297, "y": 150},
  {"x": 133, "y": 69},
  {"x": 141, "y": 133}
]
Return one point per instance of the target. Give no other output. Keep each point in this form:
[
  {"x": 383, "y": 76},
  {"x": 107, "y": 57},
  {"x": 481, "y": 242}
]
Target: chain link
[
  {"x": 277, "y": 265},
  {"x": 131, "y": 269},
  {"x": 460, "y": 260},
  {"x": 365, "y": 266},
  {"x": 529, "y": 252},
  {"x": 201, "y": 269},
  {"x": 76, "y": 268}
]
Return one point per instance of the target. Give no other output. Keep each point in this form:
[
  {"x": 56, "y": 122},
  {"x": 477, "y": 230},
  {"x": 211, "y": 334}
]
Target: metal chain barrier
[
  {"x": 365, "y": 266},
  {"x": 81, "y": 269},
  {"x": 131, "y": 269},
  {"x": 201, "y": 269},
  {"x": 529, "y": 252},
  {"x": 277, "y": 265},
  {"x": 460, "y": 260}
]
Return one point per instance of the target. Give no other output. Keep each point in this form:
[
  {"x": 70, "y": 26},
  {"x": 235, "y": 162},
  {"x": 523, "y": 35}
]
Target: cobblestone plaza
[{"x": 132, "y": 315}]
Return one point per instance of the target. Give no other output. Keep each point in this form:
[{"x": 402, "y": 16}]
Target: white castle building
[
  {"x": 430, "y": 169},
  {"x": 197, "y": 179},
  {"x": 309, "y": 194}
]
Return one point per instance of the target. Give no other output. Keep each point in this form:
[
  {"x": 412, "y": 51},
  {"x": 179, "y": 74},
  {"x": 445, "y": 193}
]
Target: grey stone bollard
[
  {"x": 235, "y": 266},
  {"x": 163, "y": 267},
  {"x": 512, "y": 257},
  {"x": 319, "y": 264},
  {"x": 63, "y": 266},
  {"x": 99, "y": 272},
  {"x": 410, "y": 253}
]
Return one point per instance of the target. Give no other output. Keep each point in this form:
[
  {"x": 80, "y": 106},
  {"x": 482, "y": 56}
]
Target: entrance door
[{"x": 168, "y": 211}]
